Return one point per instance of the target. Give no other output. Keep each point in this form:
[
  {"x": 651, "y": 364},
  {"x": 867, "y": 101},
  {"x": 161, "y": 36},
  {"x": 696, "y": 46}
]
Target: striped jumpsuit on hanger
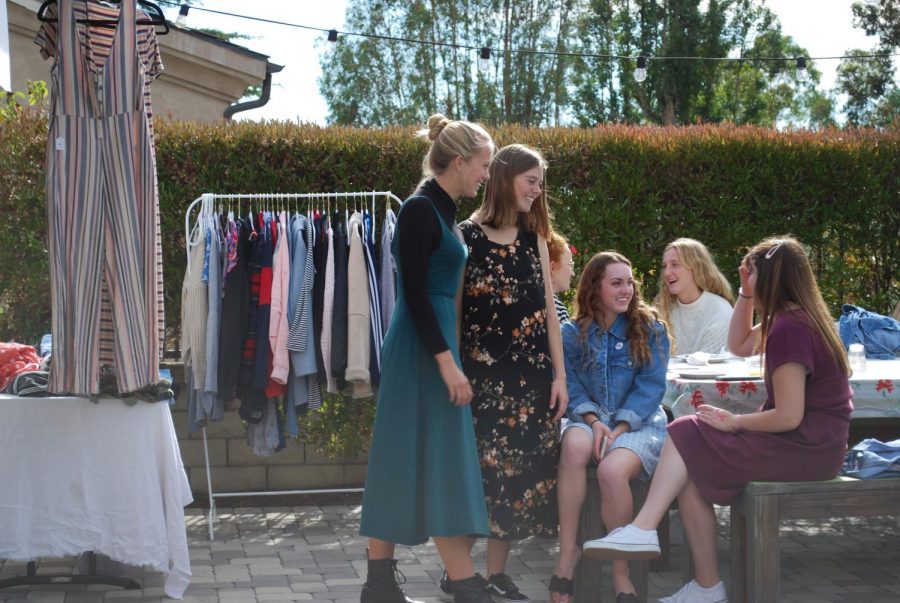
[{"x": 101, "y": 211}]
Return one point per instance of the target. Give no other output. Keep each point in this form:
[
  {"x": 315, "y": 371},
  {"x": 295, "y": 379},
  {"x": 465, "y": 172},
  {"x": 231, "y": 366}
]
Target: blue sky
[{"x": 823, "y": 27}]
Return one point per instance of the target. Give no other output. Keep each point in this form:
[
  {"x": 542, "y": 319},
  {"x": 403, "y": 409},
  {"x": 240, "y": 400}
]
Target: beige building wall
[{"x": 203, "y": 76}]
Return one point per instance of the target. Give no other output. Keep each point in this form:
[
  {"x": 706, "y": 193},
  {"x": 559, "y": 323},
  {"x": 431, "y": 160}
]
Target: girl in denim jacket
[{"x": 616, "y": 353}]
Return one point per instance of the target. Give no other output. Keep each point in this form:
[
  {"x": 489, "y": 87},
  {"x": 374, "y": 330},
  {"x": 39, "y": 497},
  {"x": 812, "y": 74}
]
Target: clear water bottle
[{"x": 856, "y": 355}]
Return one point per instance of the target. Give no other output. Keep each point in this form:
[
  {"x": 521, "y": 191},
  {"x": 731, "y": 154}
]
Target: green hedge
[{"x": 618, "y": 187}]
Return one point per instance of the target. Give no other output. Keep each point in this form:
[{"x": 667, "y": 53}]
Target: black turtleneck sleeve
[{"x": 420, "y": 233}]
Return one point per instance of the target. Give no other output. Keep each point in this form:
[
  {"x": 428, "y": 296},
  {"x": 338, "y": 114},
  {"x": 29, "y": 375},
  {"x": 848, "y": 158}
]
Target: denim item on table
[
  {"x": 46, "y": 346},
  {"x": 872, "y": 458},
  {"x": 880, "y": 335},
  {"x": 606, "y": 381}
]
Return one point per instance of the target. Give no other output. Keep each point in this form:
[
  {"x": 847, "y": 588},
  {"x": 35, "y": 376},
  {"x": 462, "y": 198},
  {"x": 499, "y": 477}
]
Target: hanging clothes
[
  {"x": 266, "y": 437},
  {"x": 278, "y": 324},
  {"x": 194, "y": 308},
  {"x": 102, "y": 211},
  {"x": 194, "y": 320},
  {"x": 98, "y": 45},
  {"x": 388, "y": 272},
  {"x": 272, "y": 387},
  {"x": 265, "y": 249},
  {"x": 235, "y": 308},
  {"x": 328, "y": 313},
  {"x": 358, "y": 320},
  {"x": 251, "y": 313},
  {"x": 212, "y": 274},
  {"x": 253, "y": 399},
  {"x": 320, "y": 260},
  {"x": 300, "y": 301},
  {"x": 303, "y": 385},
  {"x": 102, "y": 38},
  {"x": 339, "y": 314},
  {"x": 377, "y": 333}
]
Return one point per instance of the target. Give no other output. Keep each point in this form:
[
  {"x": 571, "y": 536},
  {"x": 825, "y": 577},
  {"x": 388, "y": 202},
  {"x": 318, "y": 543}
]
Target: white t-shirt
[{"x": 701, "y": 326}]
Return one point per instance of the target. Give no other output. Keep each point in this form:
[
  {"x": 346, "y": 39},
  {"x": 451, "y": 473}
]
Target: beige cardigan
[{"x": 358, "y": 320}]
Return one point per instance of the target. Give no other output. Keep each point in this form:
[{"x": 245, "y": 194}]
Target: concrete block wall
[{"x": 234, "y": 467}]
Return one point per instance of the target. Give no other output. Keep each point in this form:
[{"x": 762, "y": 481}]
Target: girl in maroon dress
[{"x": 799, "y": 433}]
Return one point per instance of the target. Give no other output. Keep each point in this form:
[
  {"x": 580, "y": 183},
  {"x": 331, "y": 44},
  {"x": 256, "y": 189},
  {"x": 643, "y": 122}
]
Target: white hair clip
[{"x": 772, "y": 251}]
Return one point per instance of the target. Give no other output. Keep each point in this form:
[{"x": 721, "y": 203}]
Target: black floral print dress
[{"x": 506, "y": 355}]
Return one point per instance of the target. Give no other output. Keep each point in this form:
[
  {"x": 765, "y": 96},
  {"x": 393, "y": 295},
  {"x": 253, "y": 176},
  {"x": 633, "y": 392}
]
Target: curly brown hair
[{"x": 588, "y": 306}]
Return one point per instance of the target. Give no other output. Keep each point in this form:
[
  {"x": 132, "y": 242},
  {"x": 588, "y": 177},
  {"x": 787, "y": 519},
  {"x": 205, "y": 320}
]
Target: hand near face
[{"x": 744, "y": 272}]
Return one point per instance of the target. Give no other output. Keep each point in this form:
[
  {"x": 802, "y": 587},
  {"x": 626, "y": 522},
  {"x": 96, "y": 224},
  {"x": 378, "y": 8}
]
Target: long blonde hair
[
  {"x": 784, "y": 278},
  {"x": 707, "y": 276},
  {"x": 499, "y": 207},
  {"x": 451, "y": 139},
  {"x": 588, "y": 305}
]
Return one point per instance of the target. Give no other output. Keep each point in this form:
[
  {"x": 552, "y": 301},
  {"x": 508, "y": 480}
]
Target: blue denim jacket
[
  {"x": 880, "y": 335},
  {"x": 872, "y": 458},
  {"x": 606, "y": 381}
]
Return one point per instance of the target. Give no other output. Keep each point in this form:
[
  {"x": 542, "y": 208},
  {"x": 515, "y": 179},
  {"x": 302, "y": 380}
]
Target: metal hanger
[{"x": 153, "y": 11}]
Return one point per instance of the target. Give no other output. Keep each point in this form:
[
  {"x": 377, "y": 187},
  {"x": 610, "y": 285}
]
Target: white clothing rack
[
  {"x": 207, "y": 206},
  {"x": 207, "y": 209}
]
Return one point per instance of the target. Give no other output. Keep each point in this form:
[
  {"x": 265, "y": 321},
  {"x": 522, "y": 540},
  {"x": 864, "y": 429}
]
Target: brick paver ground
[{"x": 305, "y": 553}]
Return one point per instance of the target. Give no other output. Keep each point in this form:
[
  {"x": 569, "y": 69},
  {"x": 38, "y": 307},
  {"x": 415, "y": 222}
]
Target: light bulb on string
[
  {"x": 182, "y": 15},
  {"x": 484, "y": 60},
  {"x": 802, "y": 73},
  {"x": 640, "y": 74}
]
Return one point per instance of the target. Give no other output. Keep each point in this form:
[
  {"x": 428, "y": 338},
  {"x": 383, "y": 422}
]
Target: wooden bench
[
  {"x": 588, "y": 572},
  {"x": 756, "y": 514}
]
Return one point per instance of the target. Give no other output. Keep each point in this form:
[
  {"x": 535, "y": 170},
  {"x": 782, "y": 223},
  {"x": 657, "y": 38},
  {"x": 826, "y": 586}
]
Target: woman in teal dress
[{"x": 423, "y": 479}]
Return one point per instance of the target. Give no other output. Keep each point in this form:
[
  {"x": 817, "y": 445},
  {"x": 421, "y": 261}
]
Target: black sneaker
[
  {"x": 501, "y": 588},
  {"x": 445, "y": 589}
]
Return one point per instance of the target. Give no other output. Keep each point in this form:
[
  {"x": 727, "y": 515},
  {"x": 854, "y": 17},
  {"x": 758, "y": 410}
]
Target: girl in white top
[{"x": 694, "y": 298}]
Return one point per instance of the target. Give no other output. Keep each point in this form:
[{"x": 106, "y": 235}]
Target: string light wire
[{"x": 480, "y": 49}]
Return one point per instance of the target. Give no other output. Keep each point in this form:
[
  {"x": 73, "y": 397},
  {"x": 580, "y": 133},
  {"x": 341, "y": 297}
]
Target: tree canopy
[
  {"x": 556, "y": 62},
  {"x": 872, "y": 97}
]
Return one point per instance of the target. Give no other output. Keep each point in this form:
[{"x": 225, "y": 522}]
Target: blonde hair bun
[{"x": 436, "y": 124}]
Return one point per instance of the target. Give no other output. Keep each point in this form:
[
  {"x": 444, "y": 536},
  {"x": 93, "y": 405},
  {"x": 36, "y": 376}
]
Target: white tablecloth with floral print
[{"x": 876, "y": 391}]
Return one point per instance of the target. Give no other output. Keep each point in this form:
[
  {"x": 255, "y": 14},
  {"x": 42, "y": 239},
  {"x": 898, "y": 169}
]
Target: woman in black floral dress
[{"x": 512, "y": 352}]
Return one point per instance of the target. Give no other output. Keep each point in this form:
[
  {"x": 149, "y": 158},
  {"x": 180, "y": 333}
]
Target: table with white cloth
[
  {"x": 106, "y": 476},
  {"x": 876, "y": 391}
]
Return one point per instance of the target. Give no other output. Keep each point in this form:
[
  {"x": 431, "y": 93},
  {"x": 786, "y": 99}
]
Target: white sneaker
[
  {"x": 694, "y": 593},
  {"x": 627, "y": 542}
]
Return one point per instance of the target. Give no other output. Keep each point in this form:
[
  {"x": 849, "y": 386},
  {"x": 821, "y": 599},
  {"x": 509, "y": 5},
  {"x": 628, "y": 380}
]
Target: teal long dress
[{"x": 423, "y": 478}]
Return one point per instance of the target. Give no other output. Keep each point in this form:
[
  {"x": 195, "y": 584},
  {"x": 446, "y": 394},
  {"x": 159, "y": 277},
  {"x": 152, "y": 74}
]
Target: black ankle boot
[
  {"x": 383, "y": 583},
  {"x": 470, "y": 590}
]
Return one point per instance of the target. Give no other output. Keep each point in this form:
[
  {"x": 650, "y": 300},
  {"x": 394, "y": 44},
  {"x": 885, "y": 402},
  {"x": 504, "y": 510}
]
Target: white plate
[
  {"x": 718, "y": 359},
  {"x": 700, "y": 375}
]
